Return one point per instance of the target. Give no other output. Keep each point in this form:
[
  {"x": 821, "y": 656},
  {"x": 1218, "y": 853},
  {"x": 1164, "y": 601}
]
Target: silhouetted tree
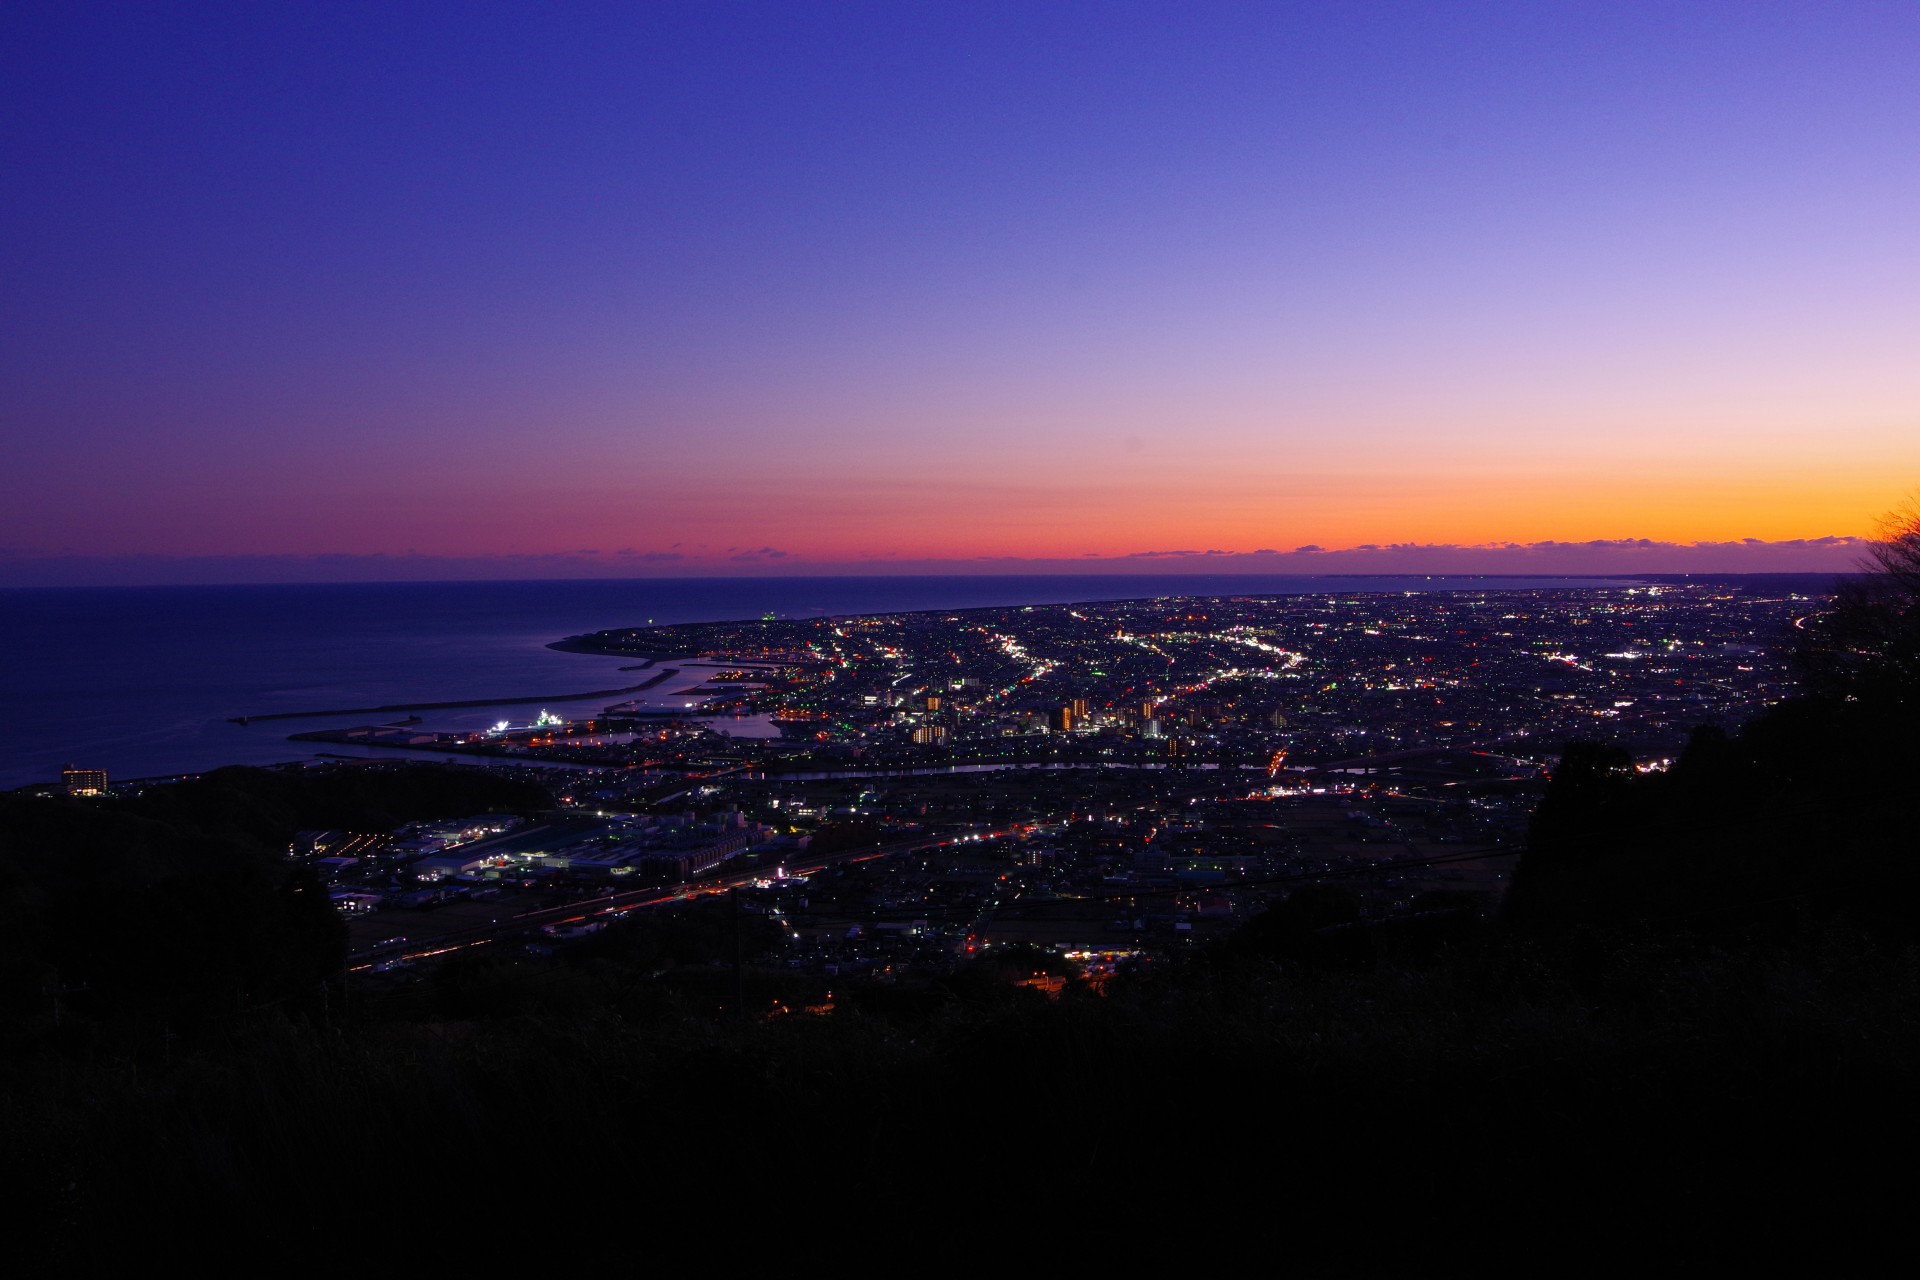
[
  {"x": 1866, "y": 649},
  {"x": 178, "y": 904},
  {"x": 1805, "y": 813},
  {"x": 1584, "y": 799},
  {"x": 1896, "y": 553}
]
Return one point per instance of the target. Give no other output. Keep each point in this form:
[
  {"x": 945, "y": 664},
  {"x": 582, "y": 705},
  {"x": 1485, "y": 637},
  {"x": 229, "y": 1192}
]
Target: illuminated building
[
  {"x": 1079, "y": 708},
  {"x": 84, "y": 782},
  {"x": 930, "y": 733},
  {"x": 1063, "y": 720}
]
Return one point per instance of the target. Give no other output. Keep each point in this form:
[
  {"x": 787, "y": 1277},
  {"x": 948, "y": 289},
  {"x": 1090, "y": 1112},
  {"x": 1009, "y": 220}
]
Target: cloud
[
  {"x": 1833, "y": 553},
  {"x": 1597, "y": 557}
]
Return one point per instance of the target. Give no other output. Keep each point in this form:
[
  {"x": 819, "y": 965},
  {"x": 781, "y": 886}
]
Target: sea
[{"x": 145, "y": 681}]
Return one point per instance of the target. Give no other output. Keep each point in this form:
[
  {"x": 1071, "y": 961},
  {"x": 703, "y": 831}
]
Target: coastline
[{"x": 207, "y": 652}]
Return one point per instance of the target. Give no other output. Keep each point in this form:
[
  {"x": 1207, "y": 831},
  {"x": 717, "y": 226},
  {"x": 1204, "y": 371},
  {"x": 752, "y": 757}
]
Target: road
[{"x": 613, "y": 906}]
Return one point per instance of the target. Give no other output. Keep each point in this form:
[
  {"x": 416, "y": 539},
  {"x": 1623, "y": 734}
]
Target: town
[{"x": 897, "y": 794}]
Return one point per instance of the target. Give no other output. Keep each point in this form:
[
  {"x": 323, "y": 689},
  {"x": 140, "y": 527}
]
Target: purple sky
[{"x": 484, "y": 290}]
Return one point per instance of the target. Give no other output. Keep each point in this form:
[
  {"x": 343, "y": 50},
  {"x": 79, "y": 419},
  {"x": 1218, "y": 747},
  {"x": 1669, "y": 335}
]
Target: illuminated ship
[{"x": 545, "y": 720}]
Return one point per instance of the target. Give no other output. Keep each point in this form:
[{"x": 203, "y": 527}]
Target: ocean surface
[{"x": 141, "y": 681}]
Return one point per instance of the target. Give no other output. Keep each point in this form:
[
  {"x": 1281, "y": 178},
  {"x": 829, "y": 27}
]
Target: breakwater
[{"x": 656, "y": 680}]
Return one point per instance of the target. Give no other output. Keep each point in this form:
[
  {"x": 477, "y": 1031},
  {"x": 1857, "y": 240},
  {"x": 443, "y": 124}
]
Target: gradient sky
[{"x": 685, "y": 287}]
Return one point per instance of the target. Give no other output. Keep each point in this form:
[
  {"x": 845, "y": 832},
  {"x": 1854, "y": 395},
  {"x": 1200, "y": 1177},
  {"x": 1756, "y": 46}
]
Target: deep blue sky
[{"x": 847, "y": 282}]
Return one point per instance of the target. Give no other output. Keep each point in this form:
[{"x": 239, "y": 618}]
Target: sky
[{"x": 488, "y": 290}]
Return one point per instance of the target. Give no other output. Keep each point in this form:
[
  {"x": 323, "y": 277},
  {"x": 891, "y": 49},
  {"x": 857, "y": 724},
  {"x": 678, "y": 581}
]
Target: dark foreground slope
[{"x": 1487, "y": 1104}]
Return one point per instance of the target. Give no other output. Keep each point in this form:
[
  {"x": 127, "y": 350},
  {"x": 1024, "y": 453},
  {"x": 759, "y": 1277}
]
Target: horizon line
[{"x": 1594, "y": 558}]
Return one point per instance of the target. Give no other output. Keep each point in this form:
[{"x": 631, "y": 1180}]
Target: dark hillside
[
  {"x": 269, "y": 805},
  {"x": 1810, "y": 812},
  {"x": 178, "y": 905}
]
